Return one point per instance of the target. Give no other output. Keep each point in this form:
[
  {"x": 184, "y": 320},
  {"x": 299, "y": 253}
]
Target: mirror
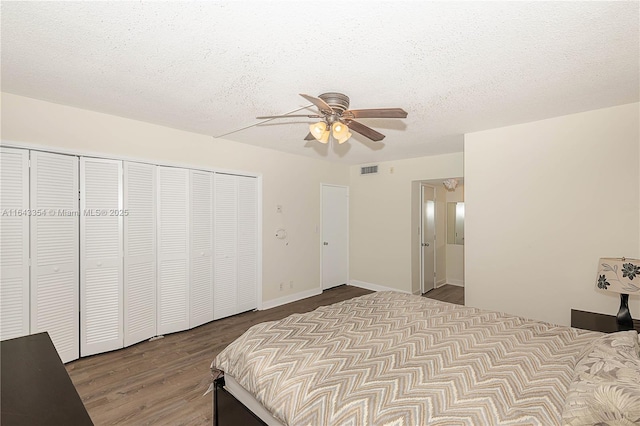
[{"x": 455, "y": 223}]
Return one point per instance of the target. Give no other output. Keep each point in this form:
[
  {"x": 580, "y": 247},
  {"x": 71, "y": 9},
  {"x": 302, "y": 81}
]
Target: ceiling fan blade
[
  {"x": 267, "y": 117},
  {"x": 309, "y": 137},
  {"x": 365, "y": 130},
  {"x": 375, "y": 113},
  {"x": 322, "y": 105}
]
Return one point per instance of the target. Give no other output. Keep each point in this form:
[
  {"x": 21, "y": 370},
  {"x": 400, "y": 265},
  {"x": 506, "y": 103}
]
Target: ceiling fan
[{"x": 337, "y": 119}]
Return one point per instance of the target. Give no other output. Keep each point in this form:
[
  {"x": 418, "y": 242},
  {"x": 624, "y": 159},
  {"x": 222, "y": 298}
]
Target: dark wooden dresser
[{"x": 35, "y": 388}]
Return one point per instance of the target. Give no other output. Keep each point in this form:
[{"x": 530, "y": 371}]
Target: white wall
[
  {"x": 380, "y": 219},
  {"x": 288, "y": 180},
  {"x": 544, "y": 201}
]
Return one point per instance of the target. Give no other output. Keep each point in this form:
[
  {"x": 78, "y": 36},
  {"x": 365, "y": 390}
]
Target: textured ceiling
[{"x": 212, "y": 67}]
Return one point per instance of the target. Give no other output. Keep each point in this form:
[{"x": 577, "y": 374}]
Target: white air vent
[{"x": 367, "y": 170}]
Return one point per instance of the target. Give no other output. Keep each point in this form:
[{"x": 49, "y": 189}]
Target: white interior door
[
  {"x": 55, "y": 251},
  {"x": 236, "y": 244},
  {"x": 173, "y": 249},
  {"x": 101, "y": 269},
  {"x": 225, "y": 296},
  {"x": 201, "y": 248},
  {"x": 139, "y": 252},
  {"x": 335, "y": 235},
  {"x": 14, "y": 243},
  {"x": 247, "y": 243},
  {"x": 428, "y": 244}
]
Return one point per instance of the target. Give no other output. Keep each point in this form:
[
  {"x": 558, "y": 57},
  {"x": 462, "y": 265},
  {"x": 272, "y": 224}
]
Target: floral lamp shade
[{"x": 620, "y": 275}]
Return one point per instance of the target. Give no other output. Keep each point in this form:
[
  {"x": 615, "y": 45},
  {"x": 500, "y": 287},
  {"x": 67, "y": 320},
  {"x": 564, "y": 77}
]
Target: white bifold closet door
[
  {"x": 201, "y": 255},
  {"x": 235, "y": 269},
  {"x": 173, "y": 249},
  {"x": 139, "y": 252},
  {"x": 55, "y": 250},
  {"x": 247, "y": 243},
  {"x": 14, "y": 243},
  {"x": 101, "y": 264}
]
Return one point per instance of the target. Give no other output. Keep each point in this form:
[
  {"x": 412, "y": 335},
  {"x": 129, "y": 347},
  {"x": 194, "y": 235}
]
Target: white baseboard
[
  {"x": 440, "y": 283},
  {"x": 459, "y": 283},
  {"x": 290, "y": 298},
  {"x": 374, "y": 287}
]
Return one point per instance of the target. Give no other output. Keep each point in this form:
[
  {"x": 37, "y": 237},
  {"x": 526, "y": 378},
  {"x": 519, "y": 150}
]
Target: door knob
[
  {"x": 425, "y": 244},
  {"x": 326, "y": 243}
]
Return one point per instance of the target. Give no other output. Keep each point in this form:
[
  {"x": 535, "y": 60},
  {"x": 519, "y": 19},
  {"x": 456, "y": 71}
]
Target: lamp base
[{"x": 623, "y": 319}]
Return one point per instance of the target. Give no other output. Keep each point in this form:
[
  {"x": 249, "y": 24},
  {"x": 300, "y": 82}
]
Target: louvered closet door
[
  {"x": 201, "y": 248},
  {"x": 173, "y": 249},
  {"x": 139, "y": 252},
  {"x": 14, "y": 243},
  {"x": 101, "y": 267},
  {"x": 55, "y": 251},
  {"x": 247, "y": 243},
  {"x": 225, "y": 295}
]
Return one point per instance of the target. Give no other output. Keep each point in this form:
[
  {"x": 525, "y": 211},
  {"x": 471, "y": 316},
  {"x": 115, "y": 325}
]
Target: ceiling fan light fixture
[
  {"x": 320, "y": 131},
  {"x": 337, "y": 119},
  {"x": 340, "y": 132},
  {"x": 345, "y": 138}
]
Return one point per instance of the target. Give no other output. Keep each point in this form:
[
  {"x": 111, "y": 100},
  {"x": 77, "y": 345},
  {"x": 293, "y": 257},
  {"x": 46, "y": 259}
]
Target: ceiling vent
[{"x": 368, "y": 170}]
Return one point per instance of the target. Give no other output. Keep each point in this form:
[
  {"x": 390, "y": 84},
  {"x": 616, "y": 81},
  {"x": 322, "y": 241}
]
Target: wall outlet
[
  {"x": 278, "y": 208},
  {"x": 281, "y": 286},
  {"x": 290, "y": 284}
]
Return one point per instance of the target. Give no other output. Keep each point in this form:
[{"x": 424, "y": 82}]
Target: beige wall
[
  {"x": 380, "y": 219},
  {"x": 544, "y": 201},
  {"x": 288, "y": 180}
]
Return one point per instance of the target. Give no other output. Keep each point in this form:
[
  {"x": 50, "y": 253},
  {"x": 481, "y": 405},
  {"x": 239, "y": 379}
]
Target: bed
[{"x": 390, "y": 358}]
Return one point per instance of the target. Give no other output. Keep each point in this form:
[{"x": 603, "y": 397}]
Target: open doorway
[{"x": 438, "y": 223}]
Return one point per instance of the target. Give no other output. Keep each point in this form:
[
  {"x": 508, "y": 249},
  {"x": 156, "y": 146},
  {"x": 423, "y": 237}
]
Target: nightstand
[
  {"x": 597, "y": 322},
  {"x": 36, "y": 388}
]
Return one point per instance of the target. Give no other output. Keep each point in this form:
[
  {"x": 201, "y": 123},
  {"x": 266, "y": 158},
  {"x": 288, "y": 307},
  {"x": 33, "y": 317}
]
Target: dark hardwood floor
[
  {"x": 162, "y": 382},
  {"x": 447, "y": 293}
]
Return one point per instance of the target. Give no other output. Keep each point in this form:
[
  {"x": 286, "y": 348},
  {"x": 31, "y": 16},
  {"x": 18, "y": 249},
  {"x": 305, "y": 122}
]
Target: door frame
[
  {"x": 321, "y": 232},
  {"x": 420, "y": 248}
]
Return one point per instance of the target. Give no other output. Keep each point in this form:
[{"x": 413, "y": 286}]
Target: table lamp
[{"x": 620, "y": 275}]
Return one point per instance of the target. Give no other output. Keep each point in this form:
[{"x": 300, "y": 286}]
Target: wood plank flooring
[
  {"x": 162, "y": 382},
  {"x": 447, "y": 293}
]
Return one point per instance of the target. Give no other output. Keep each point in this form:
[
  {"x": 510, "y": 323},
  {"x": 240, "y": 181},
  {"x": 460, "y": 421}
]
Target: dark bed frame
[{"x": 228, "y": 411}]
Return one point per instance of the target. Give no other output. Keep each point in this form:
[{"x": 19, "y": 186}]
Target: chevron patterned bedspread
[{"x": 395, "y": 359}]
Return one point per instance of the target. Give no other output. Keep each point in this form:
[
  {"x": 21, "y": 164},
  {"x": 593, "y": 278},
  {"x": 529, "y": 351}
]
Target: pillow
[{"x": 606, "y": 386}]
